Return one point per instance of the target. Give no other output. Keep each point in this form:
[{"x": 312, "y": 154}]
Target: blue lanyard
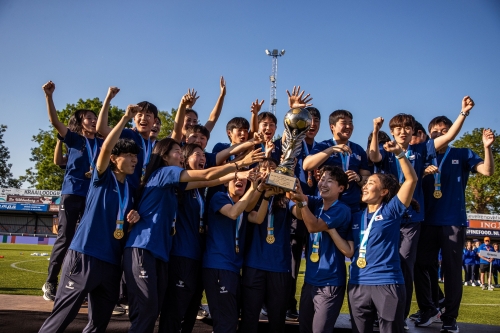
[
  {"x": 437, "y": 176},
  {"x": 365, "y": 230},
  {"x": 401, "y": 176},
  {"x": 344, "y": 156},
  {"x": 147, "y": 155},
  {"x": 239, "y": 220},
  {"x": 270, "y": 218},
  {"x": 202, "y": 206},
  {"x": 122, "y": 203},
  {"x": 317, "y": 235},
  {"x": 91, "y": 152}
]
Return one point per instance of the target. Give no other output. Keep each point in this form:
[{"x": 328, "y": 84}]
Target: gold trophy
[{"x": 297, "y": 123}]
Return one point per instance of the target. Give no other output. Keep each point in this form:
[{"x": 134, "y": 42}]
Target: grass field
[{"x": 23, "y": 274}]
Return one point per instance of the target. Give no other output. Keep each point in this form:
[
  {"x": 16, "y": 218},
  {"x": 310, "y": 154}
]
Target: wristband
[
  {"x": 400, "y": 155},
  {"x": 465, "y": 114},
  {"x": 267, "y": 198}
]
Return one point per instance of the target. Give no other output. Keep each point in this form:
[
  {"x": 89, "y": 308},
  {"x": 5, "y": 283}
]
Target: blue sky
[{"x": 374, "y": 58}]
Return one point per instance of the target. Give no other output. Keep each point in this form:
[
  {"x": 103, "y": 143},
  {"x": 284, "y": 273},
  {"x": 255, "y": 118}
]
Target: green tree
[
  {"x": 167, "y": 123},
  {"x": 482, "y": 194},
  {"x": 6, "y": 179},
  {"x": 45, "y": 174}
]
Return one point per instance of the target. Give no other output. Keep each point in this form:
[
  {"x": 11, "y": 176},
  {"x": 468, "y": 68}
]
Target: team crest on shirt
[
  {"x": 454, "y": 161},
  {"x": 143, "y": 275},
  {"x": 379, "y": 217},
  {"x": 223, "y": 290},
  {"x": 70, "y": 285},
  {"x": 355, "y": 226},
  {"x": 180, "y": 284}
]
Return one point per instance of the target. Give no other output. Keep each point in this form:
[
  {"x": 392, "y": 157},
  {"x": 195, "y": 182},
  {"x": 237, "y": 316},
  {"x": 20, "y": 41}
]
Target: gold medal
[
  {"x": 438, "y": 194},
  {"x": 237, "y": 249},
  {"x": 270, "y": 239},
  {"x": 314, "y": 257},
  {"x": 201, "y": 230},
  {"x": 172, "y": 231},
  {"x": 118, "y": 234},
  {"x": 361, "y": 262}
]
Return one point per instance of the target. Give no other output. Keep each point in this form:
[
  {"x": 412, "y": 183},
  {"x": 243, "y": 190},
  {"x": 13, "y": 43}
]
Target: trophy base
[{"x": 281, "y": 180}]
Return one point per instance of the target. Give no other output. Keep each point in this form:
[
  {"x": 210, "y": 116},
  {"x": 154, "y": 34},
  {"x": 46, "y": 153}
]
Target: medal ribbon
[
  {"x": 122, "y": 203},
  {"x": 239, "y": 220},
  {"x": 91, "y": 152},
  {"x": 317, "y": 235},
  {"x": 365, "y": 230},
  {"x": 270, "y": 218},
  {"x": 437, "y": 176},
  {"x": 343, "y": 156},
  {"x": 202, "y": 206},
  {"x": 147, "y": 155},
  {"x": 401, "y": 176}
]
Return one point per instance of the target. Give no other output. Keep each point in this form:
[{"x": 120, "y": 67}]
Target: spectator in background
[
  {"x": 469, "y": 261},
  {"x": 477, "y": 244},
  {"x": 496, "y": 266},
  {"x": 485, "y": 262}
]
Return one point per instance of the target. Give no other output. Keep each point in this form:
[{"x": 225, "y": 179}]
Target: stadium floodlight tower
[{"x": 274, "y": 75}]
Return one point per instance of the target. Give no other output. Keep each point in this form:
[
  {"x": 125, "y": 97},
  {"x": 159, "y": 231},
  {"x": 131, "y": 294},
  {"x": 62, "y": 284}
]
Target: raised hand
[
  {"x": 430, "y": 170},
  {"x": 274, "y": 190},
  {"x": 297, "y": 98},
  {"x": 377, "y": 124},
  {"x": 467, "y": 104},
  {"x": 269, "y": 148},
  {"x": 297, "y": 195},
  {"x": 352, "y": 176},
  {"x": 254, "y": 156},
  {"x": 112, "y": 91},
  {"x": 392, "y": 147},
  {"x": 222, "y": 86},
  {"x": 488, "y": 137},
  {"x": 258, "y": 137},
  {"x": 131, "y": 111},
  {"x": 49, "y": 88},
  {"x": 342, "y": 148},
  {"x": 190, "y": 98},
  {"x": 256, "y": 106}
]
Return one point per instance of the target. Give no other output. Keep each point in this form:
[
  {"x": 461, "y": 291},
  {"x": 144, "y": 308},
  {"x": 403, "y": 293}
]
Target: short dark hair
[
  {"x": 268, "y": 160},
  {"x": 390, "y": 183},
  {"x": 149, "y": 107},
  {"x": 198, "y": 129},
  {"x": 383, "y": 137},
  {"x": 188, "y": 110},
  {"x": 339, "y": 114},
  {"x": 267, "y": 114},
  {"x": 76, "y": 120},
  {"x": 187, "y": 150},
  {"x": 237, "y": 122},
  {"x": 124, "y": 146},
  {"x": 440, "y": 119},
  {"x": 418, "y": 127},
  {"x": 337, "y": 174},
  {"x": 402, "y": 120},
  {"x": 313, "y": 112}
]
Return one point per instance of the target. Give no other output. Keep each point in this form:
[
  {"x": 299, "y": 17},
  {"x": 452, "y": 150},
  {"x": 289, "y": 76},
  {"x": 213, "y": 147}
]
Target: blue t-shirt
[
  {"x": 128, "y": 133},
  {"x": 210, "y": 160},
  {"x": 469, "y": 257},
  {"x": 299, "y": 171},
  {"x": 75, "y": 182},
  {"x": 157, "y": 209},
  {"x": 484, "y": 247},
  {"x": 188, "y": 241},
  {"x": 220, "y": 252},
  {"x": 419, "y": 156},
  {"x": 477, "y": 256},
  {"x": 357, "y": 161},
  {"x": 450, "y": 208},
  {"x": 382, "y": 249},
  {"x": 275, "y": 257},
  {"x": 330, "y": 269},
  {"x": 220, "y": 146},
  {"x": 94, "y": 235}
]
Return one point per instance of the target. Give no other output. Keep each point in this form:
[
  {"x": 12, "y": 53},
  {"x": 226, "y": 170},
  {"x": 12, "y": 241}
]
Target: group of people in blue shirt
[
  {"x": 161, "y": 221},
  {"x": 477, "y": 267}
]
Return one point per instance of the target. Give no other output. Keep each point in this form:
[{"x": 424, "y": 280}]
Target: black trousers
[
  {"x": 469, "y": 273},
  {"x": 70, "y": 211},
  {"x": 409, "y": 235},
  {"x": 184, "y": 292},
  {"x": 82, "y": 276},
  {"x": 147, "y": 279},
  {"x": 298, "y": 238},
  {"x": 367, "y": 303},
  {"x": 320, "y": 308},
  {"x": 222, "y": 288},
  {"x": 259, "y": 286},
  {"x": 450, "y": 239}
]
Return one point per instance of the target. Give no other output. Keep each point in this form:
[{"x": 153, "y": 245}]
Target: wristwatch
[{"x": 301, "y": 204}]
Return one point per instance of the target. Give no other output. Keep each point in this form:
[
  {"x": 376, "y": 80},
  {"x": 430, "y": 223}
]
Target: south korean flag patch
[
  {"x": 454, "y": 161},
  {"x": 379, "y": 217}
]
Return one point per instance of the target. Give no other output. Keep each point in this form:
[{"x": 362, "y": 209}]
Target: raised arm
[
  {"x": 254, "y": 120},
  {"x": 188, "y": 99},
  {"x": 374, "y": 153},
  {"x": 405, "y": 193},
  {"x": 445, "y": 139},
  {"x": 487, "y": 168},
  {"x": 312, "y": 162},
  {"x": 233, "y": 211},
  {"x": 239, "y": 148},
  {"x": 58, "y": 154},
  {"x": 346, "y": 247},
  {"x": 219, "y": 171},
  {"x": 297, "y": 99},
  {"x": 214, "y": 115},
  {"x": 112, "y": 138},
  {"x": 102, "y": 121},
  {"x": 48, "y": 89},
  {"x": 313, "y": 224},
  {"x": 259, "y": 216},
  {"x": 222, "y": 180}
]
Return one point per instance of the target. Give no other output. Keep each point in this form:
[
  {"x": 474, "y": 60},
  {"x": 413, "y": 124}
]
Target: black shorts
[{"x": 484, "y": 268}]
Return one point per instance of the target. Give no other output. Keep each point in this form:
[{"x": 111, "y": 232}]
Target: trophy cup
[{"x": 297, "y": 123}]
